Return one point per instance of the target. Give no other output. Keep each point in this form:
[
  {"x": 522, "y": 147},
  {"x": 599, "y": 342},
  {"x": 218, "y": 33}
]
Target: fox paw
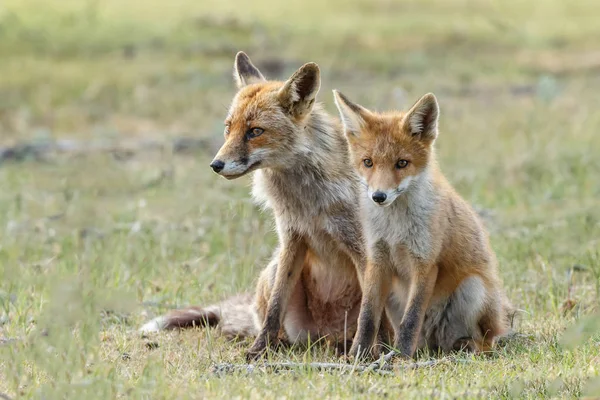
[
  {"x": 259, "y": 348},
  {"x": 357, "y": 353},
  {"x": 256, "y": 352},
  {"x": 386, "y": 362}
]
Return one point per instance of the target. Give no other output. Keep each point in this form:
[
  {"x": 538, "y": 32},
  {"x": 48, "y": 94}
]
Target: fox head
[
  {"x": 390, "y": 150},
  {"x": 266, "y": 119}
]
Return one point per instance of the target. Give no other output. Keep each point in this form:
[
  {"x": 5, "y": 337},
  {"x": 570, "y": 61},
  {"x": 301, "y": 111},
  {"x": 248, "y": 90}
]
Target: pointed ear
[
  {"x": 244, "y": 72},
  {"x": 422, "y": 118},
  {"x": 299, "y": 92},
  {"x": 351, "y": 114}
]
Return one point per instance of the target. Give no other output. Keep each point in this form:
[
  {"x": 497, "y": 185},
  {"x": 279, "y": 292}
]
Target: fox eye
[
  {"x": 401, "y": 164},
  {"x": 254, "y": 132},
  {"x": 226, "y": 130},
  {"x": 368, "y": 162}
]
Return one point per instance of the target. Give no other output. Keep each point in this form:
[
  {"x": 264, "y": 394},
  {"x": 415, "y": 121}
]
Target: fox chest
[
  {"x": 402, "y": 232},
  {"x": 311, "y": 206},
  {"x": 329, "y": 276}
]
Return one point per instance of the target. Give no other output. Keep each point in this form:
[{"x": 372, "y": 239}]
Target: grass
[{"x": 93, "y": 245}]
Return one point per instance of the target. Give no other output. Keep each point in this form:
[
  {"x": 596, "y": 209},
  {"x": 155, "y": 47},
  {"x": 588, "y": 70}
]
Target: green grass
[{"x": 93, "y": 245}]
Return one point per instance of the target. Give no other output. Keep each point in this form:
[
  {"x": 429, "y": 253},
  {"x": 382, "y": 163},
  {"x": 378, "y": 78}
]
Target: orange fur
[{"x": 423, "y": 234}]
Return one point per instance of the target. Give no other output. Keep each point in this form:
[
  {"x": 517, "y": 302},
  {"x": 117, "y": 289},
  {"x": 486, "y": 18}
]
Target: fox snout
[
  {"x": 379, "y": 197},
  {"x": 232, "y": 166},
  {"x": 217, "y": 165},
  {"x": 382, "y": 198},
  {"x": 232, "y": 169}
]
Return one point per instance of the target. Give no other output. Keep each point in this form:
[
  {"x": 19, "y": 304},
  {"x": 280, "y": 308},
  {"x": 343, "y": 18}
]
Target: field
[{"x": 110, "y": 112}]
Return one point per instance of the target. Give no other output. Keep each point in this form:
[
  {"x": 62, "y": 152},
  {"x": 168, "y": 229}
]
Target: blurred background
[{"x": 110, "y": 112}]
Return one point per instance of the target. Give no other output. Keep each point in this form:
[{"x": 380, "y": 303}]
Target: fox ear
[
  {"x": 351, "y": 114},
  {"x": 244, "y": 72},
  {"x": 422, "y": 118},
  {"x": 299, "y": 92}
]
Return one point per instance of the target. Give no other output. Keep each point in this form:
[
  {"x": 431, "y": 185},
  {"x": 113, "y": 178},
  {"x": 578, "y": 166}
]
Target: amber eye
[
  {"x": 254, "y": 132},
  {"x": 368, "y": 162},
  {"x": 401, "y": 164}
]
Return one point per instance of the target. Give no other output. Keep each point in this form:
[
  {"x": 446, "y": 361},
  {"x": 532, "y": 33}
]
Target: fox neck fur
[{"x": 316, "y": 178}]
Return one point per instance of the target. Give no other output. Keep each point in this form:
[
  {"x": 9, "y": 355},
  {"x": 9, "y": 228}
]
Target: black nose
[
  {"x": 379, "y": 197},
  {"x": 217, "y": 165}
]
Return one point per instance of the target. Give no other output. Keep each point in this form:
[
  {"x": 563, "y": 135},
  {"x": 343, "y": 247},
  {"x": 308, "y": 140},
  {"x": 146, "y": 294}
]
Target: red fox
[
  {"x": 300, "y": 161},
  {"x": 424, "y": 241}
]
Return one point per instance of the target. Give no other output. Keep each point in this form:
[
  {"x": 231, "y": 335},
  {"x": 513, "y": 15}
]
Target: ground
[{"x": 127, "y": 220}]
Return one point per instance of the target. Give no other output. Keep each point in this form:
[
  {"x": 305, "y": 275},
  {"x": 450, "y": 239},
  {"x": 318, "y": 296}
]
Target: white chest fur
[{"x": 406, "y": 222}]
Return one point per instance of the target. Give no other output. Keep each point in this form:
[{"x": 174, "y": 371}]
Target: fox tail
[{"x": 235, "y": 317}]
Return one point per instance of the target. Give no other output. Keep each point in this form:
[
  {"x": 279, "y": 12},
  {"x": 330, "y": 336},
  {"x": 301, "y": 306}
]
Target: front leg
[
  {"x": 421, "y": 291},
  {"x": 376, "y": 288},
  {"x": 347, "y": 230},
  {"x": 289, "y": 268}
]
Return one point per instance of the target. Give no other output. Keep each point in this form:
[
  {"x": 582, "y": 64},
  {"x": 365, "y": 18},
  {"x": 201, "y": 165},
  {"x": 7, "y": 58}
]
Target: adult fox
[{"x": 302, "y": 173}]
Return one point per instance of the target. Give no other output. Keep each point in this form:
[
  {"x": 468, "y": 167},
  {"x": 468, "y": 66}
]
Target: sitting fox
[
  {"x": 299, "y": 158},
  {"x": 424, "y": 240}
]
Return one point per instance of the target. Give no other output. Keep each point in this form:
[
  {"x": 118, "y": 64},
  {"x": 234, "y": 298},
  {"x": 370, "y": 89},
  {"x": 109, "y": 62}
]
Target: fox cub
[{"x": 426, "y": 245}]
